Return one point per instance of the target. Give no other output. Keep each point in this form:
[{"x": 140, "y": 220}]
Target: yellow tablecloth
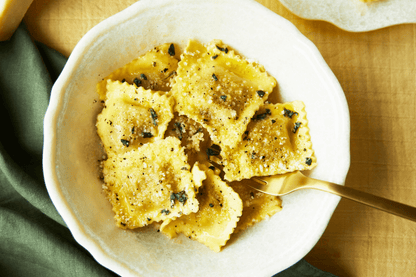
[{"x": 377, "y": 71}]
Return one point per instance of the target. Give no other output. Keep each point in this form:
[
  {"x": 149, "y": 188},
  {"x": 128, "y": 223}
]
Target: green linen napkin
[{"x": 34, "y": 240}]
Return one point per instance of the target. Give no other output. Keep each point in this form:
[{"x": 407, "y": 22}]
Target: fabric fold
[{"x": 25, "y": 91}]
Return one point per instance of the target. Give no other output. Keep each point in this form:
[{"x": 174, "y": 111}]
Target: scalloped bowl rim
[{"x": 58, "y": 102}]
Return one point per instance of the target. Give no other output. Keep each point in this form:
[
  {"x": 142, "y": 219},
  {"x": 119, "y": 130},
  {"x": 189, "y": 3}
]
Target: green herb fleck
[
  {"x": 211, "y": 205},
  {"x": 222, "y": 49},
  {"x": 297, "y": 125},
  {"x": 137, "y": 82},
  {"x": 165, "y": 211},
  {"x": 214, "y": 57},
  {"x": 143, "y": 77},
  {"x": 262, "y": 115},
  {"x": 308, "y": 161},
  {"x": 289, "y": 113},
  {"x": 214, "y": 77},
  {"x": 261, "y": 93},
  {"x": 125, "y": 142},
  {"x": 171, "y": 50},
  {"x": 223, "y": 97},
  {"x": 154, "y": 116},
  {"x": 180, "y": 196},
  {"x": 147, "y": 135}
]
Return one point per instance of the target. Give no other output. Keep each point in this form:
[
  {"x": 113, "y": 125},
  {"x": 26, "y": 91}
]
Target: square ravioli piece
[
  {"x": 219, "y": 89},
  {"x": 276, "y": 141},
  {"x": 154, "y": 70},
  {"x": 151, "y": 184},
  {"x": 257, "y": 206},
  {"x": 220, "y": 209},
  {"x": 132, "y": 117}
]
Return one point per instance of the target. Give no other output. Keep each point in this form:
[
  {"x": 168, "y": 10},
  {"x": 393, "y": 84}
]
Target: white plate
[
  {"x": 72, "y": 147},
  {"x": 354, "y": 15}
]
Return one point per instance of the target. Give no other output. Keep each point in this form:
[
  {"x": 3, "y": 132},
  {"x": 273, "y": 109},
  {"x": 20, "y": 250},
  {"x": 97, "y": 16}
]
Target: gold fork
[{"x": 286, "y": 183}]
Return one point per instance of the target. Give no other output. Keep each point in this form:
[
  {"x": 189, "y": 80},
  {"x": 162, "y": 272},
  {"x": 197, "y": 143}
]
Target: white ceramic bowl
[
  {"x": 72, "y": 146},
  {"x": 354, "y": 15}
]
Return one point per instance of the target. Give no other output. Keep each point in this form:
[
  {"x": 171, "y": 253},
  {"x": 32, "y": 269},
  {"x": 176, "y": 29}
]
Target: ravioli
[
  {"x": 154, "y": 70},
  {"x": 220, "y": 90},
  {"x": 220, "y": 208},
  {"x": 132, "y": 117},
  {"x": 257, "y": 206},
  {"x": 276, "y": 141},
  {"x": 151, "y": 184},
  {"x": 161, "y": 116}
]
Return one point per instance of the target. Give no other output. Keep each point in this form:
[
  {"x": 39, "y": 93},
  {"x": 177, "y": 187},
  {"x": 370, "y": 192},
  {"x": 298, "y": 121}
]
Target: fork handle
[{"x": 368, "y": 199}]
